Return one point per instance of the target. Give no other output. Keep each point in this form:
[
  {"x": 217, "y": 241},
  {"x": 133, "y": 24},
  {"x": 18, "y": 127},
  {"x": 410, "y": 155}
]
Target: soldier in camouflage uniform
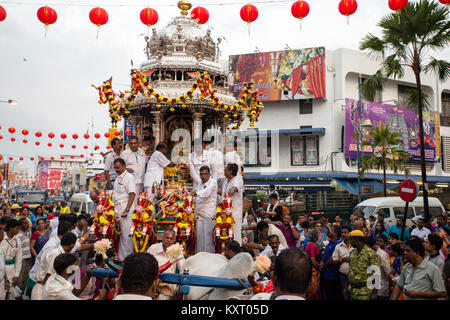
[{"x": 361, "y": 257}]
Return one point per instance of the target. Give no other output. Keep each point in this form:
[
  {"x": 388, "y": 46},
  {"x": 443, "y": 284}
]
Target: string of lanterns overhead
[{"x": 248, "y": 13}]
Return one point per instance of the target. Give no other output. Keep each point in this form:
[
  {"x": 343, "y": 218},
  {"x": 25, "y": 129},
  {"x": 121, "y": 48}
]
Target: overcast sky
[{"x": 53, "y": 85}]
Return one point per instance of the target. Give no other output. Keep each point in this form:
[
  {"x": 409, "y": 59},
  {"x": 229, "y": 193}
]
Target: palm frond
[{"x": 439, "y": 67}]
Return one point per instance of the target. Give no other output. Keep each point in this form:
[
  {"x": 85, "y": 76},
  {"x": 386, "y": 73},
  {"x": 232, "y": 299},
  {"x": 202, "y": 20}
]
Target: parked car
[
  {"x": 394, "y": 207},
  {"x": 80, "y": 203}
]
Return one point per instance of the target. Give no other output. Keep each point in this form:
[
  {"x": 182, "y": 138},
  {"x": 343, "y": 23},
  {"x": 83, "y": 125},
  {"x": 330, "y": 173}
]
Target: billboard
[
  {"x": 399, "y": 119},
  {"x": 280, "y": 75}
]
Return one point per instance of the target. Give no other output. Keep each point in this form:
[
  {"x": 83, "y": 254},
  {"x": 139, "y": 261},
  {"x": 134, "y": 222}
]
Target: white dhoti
[
  {"x": 237, "y": 230},
  {"x": 204, "y": 231},
  {"x": 126, "y": 243}
]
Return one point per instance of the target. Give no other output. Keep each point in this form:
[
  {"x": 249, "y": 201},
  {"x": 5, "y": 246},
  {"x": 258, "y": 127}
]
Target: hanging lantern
[
  {"x": 300, "y": 9},
  {"x": 32, "y": 159},
  {"x": 49, "y": 144},
  {"x": 101, "y": 153},
  {"x": 108, "y": 147},
  {"x": 74, "y": 146},
  {"x": 99, "y": 17},
  {"x": 85, "y": 147},
  {"x": 107, "y": 135},
  {"x": 128, "y": 132},
  {"x": 21, "y": 158},
  {"x": 149, "y": 17},
  {"x": 249, "y": 13},
  {"x": 200, "y": 14},
  {"x": 61, "y": 145},
  {"x": 37, "y": 143},
  {"x": 62, "y": 157},
  {"x": 347, "y": 8},
  {"x": 25, "y": 132},
  {"x": 38, "y": 134},
  {"x": 2, "y": 13},
  {"x": 82, "y": 155},
  {"x": 96, "y": 147},
  {"x": 47, "y": 16},
  {"x": 1, "y": 137},
  {"x": 86, "y": 136},
  {"x": 398, "y": 6},
  {"x": 25, "y": 141},
  {"x": 13, "y": 139},
  {"x": 446, "y": 2},
  {"x": 1, "y": 157},
  {"x": 97, "y": 136},
  {"x": 63, "y": 135},
  {"x": 72, "y": 157},
  {"x": 12, "y": 130},
  {"x": 91, "y": 154},
  {"x": 75, "y": 136},
  {"x": 42, "y": 158},
  {"x": 53, "y": 158},
  {"x": 51, "y": 135},
  {"x": 117, "y": 133}
]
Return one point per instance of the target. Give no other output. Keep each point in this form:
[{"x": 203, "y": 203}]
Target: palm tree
[
  {"x": 424, "y": 26},
  {"x": 385, "y": 156}
]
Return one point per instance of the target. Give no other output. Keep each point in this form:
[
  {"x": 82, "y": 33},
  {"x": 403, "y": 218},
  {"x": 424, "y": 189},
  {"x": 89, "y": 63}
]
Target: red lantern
[
  {"x": 2, "y": 13},
  {"x": 75, "y": 136},
  {"x": 117, "y": 133},
  {"x": 25, "y": 141},
  {"x": 82, "y": 155},
  {"x": 85, "y": 147},
  {"x": 62, "y": 157},
  {"x": 21, "y": 158},
  {"x": 72, "y": 157},
  {"x": 11, "y": 158},
  {"x": 99, "y": 17},
  {"x": 149, "y": 17},
  {"x": 32, "y": 159},
  {"x": 47, "y": 16},
  {"x": 107, "y": 135},
  {"x": 1, "y": 157},
  {"x": 61, "y": 145},
  {"x": 200, "y": 14},
  {"x": 1, "y": 137},
  {"x": 12, "y": 130},
  {"x": 446, "y": 2},
  {"x": 86, "y": 136},
  {"x": 37, "y": 143},
  {"x": 101, "y": 153},
  {"x": 128, "y": 132},
  {"x": 63, "y": 135},
  {"x": 42, "y": 158},
  {"x": 91, "y": 154},
  {"x": 97, "y": 135},
  {"x": 25, "y": 132},
  {"x": 53, "y": 158},
  {"x": 38, "y": 134},
  {"x": 249, "y": 13},
  {"x": 108, "y": 147},
  {"x": 300, "y": 9},
  {"x": 398, "y": 6},
  {"x": 96, "y": 147},
  {"x": 74, "y": 146},
  {"x": 51, "y": 135},
  {"x": 49, "y": 144},
  {"x": 13, "y": 139},
  {"x": 347, "y": 8}
]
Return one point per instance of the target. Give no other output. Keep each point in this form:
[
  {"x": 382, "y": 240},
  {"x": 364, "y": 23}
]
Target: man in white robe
[
  {"x": 123, "y": 199},
  {"x": 110, "y": 173},
  {"x": 215, "y": 159},
  {"x": 12, "y": 250},
  {"x": 155, "y": 169},
  {"x": 135, "y": 160},
  {"x": 197, "y": 159},
  {"x": 233, "y": 187},
  {"x": 232, "y": 156},
  {"x": 205, "y": 211}
]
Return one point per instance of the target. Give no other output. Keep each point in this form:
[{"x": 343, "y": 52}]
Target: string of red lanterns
[{"x": 47, "y": 16}]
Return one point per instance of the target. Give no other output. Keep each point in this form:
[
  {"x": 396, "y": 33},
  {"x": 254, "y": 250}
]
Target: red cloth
[
  {"x": 50, "y": 217},
  {"x": 312, "y": 250}
]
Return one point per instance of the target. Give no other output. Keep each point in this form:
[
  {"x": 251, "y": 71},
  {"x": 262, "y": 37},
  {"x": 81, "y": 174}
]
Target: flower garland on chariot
[{"x": 142, "y": 223}]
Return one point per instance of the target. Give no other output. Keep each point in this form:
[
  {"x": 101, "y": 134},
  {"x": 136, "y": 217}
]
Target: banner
[
  {"x": 127, "y": 125},
  {"x": 284, "y": 75},
  {"x": 399, "y": 119},
  {"x": 43, "y": 174}
]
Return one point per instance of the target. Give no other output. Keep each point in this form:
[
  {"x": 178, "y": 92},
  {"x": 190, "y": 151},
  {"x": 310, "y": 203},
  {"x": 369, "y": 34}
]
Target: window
[
  {"x": 403, "y": 95},
  {"x": 445, "y": 109},
  {"x": 305, "y": 106},
  {"x": 399, "y": 212},
  {"x": 257, "y": 150},
  {"x": 386, "y": 211},
  {"x": 434, "y": 211},
  {"x": 304, "y": 150}
]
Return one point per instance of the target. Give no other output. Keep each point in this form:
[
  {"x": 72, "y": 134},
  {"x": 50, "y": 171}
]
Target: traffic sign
[{"x": 408, "y": 190}]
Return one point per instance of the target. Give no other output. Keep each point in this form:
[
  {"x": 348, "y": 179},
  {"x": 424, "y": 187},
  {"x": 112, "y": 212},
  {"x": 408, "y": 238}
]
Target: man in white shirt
[
  {"x": 110, "y": 173},
  {"x": 139, "y": 278},
  {"x": 205, "y": 211},
  {"x": 274, "y": 247},
  {"x": 12, "y": 250},
  {"x": 291, "y": 275},
  {"x": 232, "y": 156},
  {"x": 421, "y": 231},
  {"x": 341, "y": 256},
  {"x": 215, "y": 159},
  {"x": 4, "y": 282},
  {"x": 58, "y": 287},
  {"x": 197, "y": 159},
  {"x": 155, "y": 169},
  {"x": 135, "y": 160},
  {"x": 385, "y": 269},
  {"x": 123, "y": 199},
  {"x": 234, "y": 188},
  {"x": 158, "y": 250}
]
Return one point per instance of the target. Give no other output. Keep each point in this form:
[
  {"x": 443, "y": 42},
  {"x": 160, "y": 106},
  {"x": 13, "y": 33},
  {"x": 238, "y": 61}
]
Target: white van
[
  {"x": 81, "y": 203},
  {"x": 394, "y": 207}
]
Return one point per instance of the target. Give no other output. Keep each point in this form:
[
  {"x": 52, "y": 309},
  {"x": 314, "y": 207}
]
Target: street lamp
[{"x": 10, "y": 101}]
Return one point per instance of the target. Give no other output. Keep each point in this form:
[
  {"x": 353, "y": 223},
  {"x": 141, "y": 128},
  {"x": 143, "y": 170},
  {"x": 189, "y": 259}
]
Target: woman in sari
[
  {"x": 314, "y": 252},
  {"x": 39, "y": 238}
]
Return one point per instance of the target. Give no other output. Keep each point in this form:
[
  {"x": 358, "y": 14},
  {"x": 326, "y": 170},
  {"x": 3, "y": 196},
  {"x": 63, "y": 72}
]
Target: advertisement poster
[
  {"x": 280, "y": 75},
  {"x": 399, "y": 119},
  {"x": 311, "y": 151},
  {"x": 43, "y": 175},
  {"x": 298, "y": 158}
]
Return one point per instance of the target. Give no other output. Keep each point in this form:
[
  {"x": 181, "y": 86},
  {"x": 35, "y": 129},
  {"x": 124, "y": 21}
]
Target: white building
[{"x": 321, "y": 122}]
